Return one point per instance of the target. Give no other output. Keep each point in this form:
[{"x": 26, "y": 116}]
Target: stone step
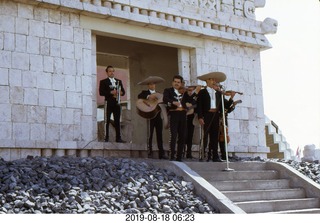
[
  {"x": 237, "y": 166},
  {"x": 239, "y": 175},
  {"x": 236, "y": 185},
  {"x": 252, "y": 195},
  {"x": 262, "y": 206},
  {"x": 301, "y": 211}
]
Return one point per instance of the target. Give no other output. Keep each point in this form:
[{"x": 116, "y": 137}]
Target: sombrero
[
  {"x": 219, "y": 76},
  {"x": 151, "y": 79}
]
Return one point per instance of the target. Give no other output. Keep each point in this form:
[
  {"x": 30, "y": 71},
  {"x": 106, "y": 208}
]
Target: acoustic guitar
[{"x": 149, "y": 108}]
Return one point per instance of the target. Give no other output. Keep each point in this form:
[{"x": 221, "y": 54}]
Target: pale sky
[{"x": 291, "y": 70}]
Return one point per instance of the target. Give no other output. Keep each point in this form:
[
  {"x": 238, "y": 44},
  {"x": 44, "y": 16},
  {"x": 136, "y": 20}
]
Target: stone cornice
[{"x": 206, "y": 23}]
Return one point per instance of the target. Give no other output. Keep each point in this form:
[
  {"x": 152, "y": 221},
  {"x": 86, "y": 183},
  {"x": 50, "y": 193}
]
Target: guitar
[{"x": 149, "y": 108}]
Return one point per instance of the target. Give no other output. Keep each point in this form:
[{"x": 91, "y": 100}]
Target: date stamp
[{"x": 159, "y": 217}]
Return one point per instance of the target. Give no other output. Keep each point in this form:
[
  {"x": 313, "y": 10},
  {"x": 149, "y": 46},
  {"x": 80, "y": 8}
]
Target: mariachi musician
[
  {"x": 154, "y": 121},
  {"x": 209, "y": 108},
  {"x": 111, "y": 88}
]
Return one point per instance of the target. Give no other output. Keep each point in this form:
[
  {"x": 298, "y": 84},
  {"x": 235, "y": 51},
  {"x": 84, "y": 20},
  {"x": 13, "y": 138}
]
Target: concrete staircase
[{"x": 259, "y": 187}]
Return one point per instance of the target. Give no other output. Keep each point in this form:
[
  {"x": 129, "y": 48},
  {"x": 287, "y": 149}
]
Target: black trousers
[
  {"x": 189, "y": 134},
  {"x": 211, "y": 127},
  {"x": 115, "y": 109},
  {"x": 177, "y": 130},
  {"x": 156, "y": 123}
]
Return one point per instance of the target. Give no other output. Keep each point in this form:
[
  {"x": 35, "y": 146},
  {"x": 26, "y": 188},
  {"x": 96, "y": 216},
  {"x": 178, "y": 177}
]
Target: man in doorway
[{"x": 111, "y": 88}]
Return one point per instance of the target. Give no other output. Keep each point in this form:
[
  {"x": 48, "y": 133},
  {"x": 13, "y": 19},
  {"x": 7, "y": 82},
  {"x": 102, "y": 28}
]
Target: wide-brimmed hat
[
  {"x": 219, "y": 76},
  {"x": 151, "y": 79}
]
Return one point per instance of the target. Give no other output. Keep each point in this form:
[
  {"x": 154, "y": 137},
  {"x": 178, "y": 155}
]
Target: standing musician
[
  {"x": 111, "y": 88},
  {"x": 177, "y": 117},
  {"x": 156, "y": 122},
  {"x": 209, "y": 109},
  {"x": 191, "y": 102}
]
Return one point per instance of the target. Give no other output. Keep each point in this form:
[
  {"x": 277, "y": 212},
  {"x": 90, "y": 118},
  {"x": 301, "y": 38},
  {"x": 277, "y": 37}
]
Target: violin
[{"x": 228, "y": 93}]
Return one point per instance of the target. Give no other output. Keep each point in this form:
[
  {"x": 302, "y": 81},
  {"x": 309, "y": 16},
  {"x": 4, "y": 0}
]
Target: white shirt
[
  {"x": 212, "y": 94},
  {"x": 113, "y": 81},
  {"x": 152, "y": 91}
]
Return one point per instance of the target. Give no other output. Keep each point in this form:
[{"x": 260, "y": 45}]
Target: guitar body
[{"x": 148, "y": 108}]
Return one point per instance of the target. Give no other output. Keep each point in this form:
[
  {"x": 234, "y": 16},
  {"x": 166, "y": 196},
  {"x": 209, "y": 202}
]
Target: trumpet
[{"x": 118, "y": 93}]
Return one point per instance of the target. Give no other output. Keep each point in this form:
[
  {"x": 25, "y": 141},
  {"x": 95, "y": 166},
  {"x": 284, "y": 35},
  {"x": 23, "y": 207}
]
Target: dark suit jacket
[
  {"x": 106, "y": 87},
  {"x": 169, "y": 96},
  {"x": 144, "y": 94},
  {"x": 203, "y": 103}
]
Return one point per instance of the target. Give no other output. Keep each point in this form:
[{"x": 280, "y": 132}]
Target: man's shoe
[
  {"x": 217, "y": 160},
  {"x": 120, "y": 141},
  {"x": 106, "y": 140},
  {"x": 179, "y": 160},
  {"x": 163, "y": 157}
]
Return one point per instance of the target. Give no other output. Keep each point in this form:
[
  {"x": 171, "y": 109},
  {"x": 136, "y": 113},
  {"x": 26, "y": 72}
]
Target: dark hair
[
  {"x": 178, "y": 77},
  {"x": 108, "y": 67}
]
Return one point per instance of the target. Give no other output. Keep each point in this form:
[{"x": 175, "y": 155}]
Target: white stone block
[
  {"x": 38, "y": 132},
  {"x": 78, "y": 35},
  {"x": 67, "y": 116},
  {"x": 86, "y": 62},
  {"x": 25, "y": 11},
  {"x": 52, "y": 31},
  {"x": 16, "y": 95},
  {"x": 36, "y": 63},
  {"x": 36, "y": 28},
  {"x": 59, "y": 99},
  {"x": 52, "y": 132},
  {"x": 19, "y": 113},
  {"x": 45, "y": 97},
  {"x": 36, "y": 114},
  {"x": 44, "y": 46},
  {"x": 30, "y": 96},
  {"x": 54, "y": 115},
  {"x": 20, "y": 61},
  {"x": 68, "y": 50},
  {"x": 22, "y": 26},
  {"x": 86, "y": 128},
  {"x": 87, "y": 105},
  {"x": 86, "y": 85},
  {"x": 5, "y": 59},
  {"x": 58, "y": 82},
  {"x": 5, "y": 112},
  {"x": 54, "y": 16},
  {"x": 67, "y": 33},
  {"x": 21, "y": 43},
  {"x": 7, "y": 23},
  {"x": 44, "y": 81},
  {"x": 41, "y": 14},
  {"x": 70, "y": 83},
  {"x": 29, "y": 79},
  {"x": 67, "y": 144},
  {"x": 69, "y": 66},
  {"x": 48, "y": 64},
  {"x": 9, "y": 41},
  {"x": 74, "y": 100},
  {"x": 55, "y": 48},
  {"x": 66, "y": 133},
  {"x": 21, "y": 131},
  {"x": 6, "y": 130},
  {"x": 33, "y": 45},
  {"x": 4, "y": 94},
  {"x": 58, "y": 65},
  {"x": 4, "y": 76}
]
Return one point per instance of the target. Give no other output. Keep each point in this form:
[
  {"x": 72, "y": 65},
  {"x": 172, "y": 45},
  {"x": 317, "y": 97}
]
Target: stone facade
[{"x": 48, "y": 66}]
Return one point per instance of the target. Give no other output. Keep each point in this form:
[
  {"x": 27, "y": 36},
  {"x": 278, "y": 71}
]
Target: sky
[{"x": 291, "y": 70}]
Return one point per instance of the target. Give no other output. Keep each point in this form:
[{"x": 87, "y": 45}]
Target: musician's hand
[
  {"x": 201, "y": 121},
  {"x": 176, "y": 103},
  {"x": 114, "y": 92},
  {"x": 188, "y": 105},
  {"x": 152, "y": 97}
]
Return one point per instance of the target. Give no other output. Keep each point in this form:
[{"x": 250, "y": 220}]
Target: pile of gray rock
[{"x": 94, "y": 185}]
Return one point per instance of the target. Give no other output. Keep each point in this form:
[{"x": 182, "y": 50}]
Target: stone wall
[{"x": 48, "y": 65}]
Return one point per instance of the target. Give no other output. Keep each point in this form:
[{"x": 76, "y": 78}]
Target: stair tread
[
  {"x": 259, "y": 190},
  {"x": 297, "y": 211},
  {"x": 279, "y": 200}
]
